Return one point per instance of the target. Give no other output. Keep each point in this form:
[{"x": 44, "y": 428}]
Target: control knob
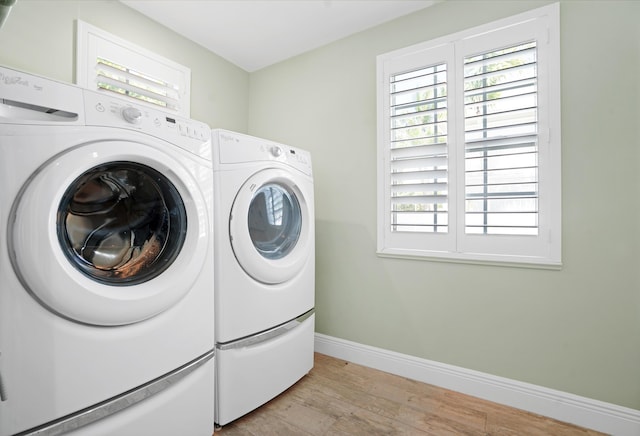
[
  {"x": 132, "y": 115},
  {"x": 275, "y": 151}
]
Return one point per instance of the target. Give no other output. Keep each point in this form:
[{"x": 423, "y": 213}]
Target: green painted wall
[
  {"x": 575, "y": 330},
  {"x": 39, "y": 37}
]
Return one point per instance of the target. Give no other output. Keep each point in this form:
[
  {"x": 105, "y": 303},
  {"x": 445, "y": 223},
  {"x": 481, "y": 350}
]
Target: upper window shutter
[{"x": 111, "y": 64}]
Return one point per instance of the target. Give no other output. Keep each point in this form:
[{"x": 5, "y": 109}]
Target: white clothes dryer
[
  {"x": 106, "y": 237},
  {"x": 264, "y": 270}
]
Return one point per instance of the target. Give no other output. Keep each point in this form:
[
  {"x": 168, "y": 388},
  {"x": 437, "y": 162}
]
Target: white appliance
[
  {"x": 106, "y": 237},
  {"x": 264, "y": 270}
]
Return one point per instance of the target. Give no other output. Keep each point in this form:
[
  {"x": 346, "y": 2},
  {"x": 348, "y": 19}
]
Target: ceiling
[{"x": 254, "y": 34}]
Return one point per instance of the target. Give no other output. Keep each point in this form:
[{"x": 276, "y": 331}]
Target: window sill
[{"x": 464, "y": 258}]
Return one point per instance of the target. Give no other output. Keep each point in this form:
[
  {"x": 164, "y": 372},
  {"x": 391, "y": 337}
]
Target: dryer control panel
[
  {"x": 232, "y": 147},
  {"x": 105, "y": 110}
]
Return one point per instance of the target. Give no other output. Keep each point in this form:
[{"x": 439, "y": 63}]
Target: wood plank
[{"x": 342, "y": 398}]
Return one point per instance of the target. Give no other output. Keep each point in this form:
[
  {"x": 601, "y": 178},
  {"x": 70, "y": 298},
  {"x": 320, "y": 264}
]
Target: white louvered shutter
[
  {"x": 418, "y": 150},
  {"x": 129, "y": 82},
  {"x": 501, "y": 141},
  {"x": 110, "y": 64}
]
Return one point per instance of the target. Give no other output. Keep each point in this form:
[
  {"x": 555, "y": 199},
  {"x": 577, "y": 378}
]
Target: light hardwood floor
[{"x": 342, "y": 398}]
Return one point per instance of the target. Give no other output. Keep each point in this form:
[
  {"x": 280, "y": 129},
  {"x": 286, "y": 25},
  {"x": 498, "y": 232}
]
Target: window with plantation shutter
[
  {"x": 110, "y": 64},
  {"x": 469, "y": 145}
]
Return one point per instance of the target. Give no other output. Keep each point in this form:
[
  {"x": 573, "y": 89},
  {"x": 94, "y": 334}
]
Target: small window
[
  {"x": 110, "y": 64},
  {"x": 469, "y": 145}
]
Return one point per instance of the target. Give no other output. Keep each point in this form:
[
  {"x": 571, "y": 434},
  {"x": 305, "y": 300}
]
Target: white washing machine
[
  {"x": 106, "y": 242},
  {"x": 264, "y": 270}
]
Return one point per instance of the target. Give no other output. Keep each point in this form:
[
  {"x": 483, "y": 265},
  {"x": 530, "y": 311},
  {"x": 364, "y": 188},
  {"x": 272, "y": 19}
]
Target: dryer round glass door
[
  {"x": 274, "y": 221},
  {"x": 271, "y": 225},
  {"x": 110, "y": 233},
  {"x": 121, "y": 223}
]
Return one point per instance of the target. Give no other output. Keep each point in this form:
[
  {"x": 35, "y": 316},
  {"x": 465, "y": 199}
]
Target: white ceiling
[{"x": 253, "y": 34}]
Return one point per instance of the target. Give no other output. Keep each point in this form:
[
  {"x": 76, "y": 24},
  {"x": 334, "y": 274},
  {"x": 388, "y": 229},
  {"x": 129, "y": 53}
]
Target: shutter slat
[
  {"x": 399, "y": 106},
  {"x": 518, "y": 51},
  {"x": 431, "y": 132},
  {"x": 418, "y": 164},
  {"x": 419, "y": 140},
  {"x": 433, "y": 114},
  {"x": 418, "y": 187},
  {"x": 512, "y": 89},
  {"x": 419, "y": 151},
  {"x": 421, "y": 175},
  {"x": 501, "y": 143},
  {"x": 489, "y": 130},
  {"x": 526, "y": 67},
  {"x": 419, "y": 199}
]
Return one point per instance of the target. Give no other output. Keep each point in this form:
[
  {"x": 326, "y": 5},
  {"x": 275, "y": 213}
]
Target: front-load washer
[
  {"x": 264, "y": 270},
  {"x": 106, "y": 243}
]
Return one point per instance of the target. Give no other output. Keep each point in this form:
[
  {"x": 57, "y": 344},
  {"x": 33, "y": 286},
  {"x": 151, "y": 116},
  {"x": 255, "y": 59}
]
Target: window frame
[{"x": 542, "y": 250}]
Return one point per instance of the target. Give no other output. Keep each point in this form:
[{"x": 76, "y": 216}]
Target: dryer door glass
[
  {"x": 275, "y": 221},
  {"x": 121, "y": 223}
]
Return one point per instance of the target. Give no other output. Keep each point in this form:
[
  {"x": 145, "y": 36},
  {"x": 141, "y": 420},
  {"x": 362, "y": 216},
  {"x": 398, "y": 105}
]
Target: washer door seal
[{"x": 62, "y": 258}]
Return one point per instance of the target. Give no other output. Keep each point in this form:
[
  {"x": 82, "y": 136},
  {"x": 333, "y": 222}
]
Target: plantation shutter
[
  {"x": 126, "y": 81},
  {"x": 469, "y": 161},
  {"x": 110, "y": 64},
  {"x": 501, "y": 141},
  {"x": 418, "y": 150}
]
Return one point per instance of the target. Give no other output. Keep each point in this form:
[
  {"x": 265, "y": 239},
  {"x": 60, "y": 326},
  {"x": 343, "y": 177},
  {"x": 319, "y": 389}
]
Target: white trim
[{"x": 585, "y": 412}]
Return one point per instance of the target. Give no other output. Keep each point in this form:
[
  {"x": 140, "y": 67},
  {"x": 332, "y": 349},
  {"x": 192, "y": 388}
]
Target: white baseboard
[{"x": 585, "y": 412}]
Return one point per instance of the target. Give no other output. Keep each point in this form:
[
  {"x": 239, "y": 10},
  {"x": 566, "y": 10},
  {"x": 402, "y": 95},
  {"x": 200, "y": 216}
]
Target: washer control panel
[{"x": 105, "y": 110}]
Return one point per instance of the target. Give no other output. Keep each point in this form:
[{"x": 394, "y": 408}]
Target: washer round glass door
[
  {"x": 121, "y": 223},
  {"x": 110, "y": 233},
  {"x": 271, "y": 225}
]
